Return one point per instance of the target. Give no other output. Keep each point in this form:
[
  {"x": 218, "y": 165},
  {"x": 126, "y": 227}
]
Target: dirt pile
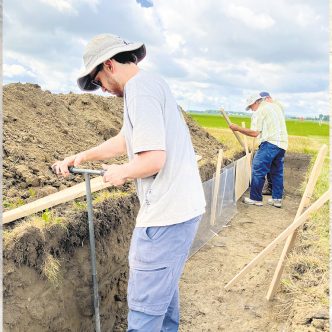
[
  {"x": 40, "y": 127},
  {"x": 47, "y": 282}
]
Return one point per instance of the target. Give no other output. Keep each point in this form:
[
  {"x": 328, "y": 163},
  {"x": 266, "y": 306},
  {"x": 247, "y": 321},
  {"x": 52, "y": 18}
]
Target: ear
[{"x": 109, "y": 65}]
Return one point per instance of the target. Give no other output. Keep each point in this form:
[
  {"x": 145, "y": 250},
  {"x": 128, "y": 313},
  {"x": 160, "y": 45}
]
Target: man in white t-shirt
[{"x": 163, "y": 165}]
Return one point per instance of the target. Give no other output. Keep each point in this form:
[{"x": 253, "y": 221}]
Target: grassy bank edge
[{"x": 305, "y": 284}]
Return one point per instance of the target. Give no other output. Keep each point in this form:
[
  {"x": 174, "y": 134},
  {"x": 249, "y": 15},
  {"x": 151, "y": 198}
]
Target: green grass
[{"x": 294, "y": 127}]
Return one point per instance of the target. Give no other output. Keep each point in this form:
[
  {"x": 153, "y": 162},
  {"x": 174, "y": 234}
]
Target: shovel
[{"x": 87, "y": 173}]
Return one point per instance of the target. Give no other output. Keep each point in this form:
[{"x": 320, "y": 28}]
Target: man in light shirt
[
  {"x": 267, "y": 189},
  {"x": 269, "y": 125},
  {"x": 163, "y": 165}
]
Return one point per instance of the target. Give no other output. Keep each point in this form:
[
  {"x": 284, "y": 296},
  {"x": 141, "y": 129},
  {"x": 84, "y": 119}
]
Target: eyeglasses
[{"x": 95, "y": 82}]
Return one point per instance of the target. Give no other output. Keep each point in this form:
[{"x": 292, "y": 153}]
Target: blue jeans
[
  {"x": 157, "y": 257},
  {"x": 268, "y": 159}
]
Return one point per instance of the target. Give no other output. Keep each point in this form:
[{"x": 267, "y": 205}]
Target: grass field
[{"x": 294, "y": 127}]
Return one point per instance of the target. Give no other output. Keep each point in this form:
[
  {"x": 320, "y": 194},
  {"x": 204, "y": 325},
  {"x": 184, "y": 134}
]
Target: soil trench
[
  {"x": 206, "y": 306},
  {"x": 32, "y": 303}
]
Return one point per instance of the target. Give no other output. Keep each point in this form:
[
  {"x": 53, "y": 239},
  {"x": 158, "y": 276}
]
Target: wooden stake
[
  {"x": 216, "y": 188},
  {"x": 234, "y": 132},
  {"x": 316, "y": 170},
  {"x": 289, "y": 230},
  {"x": 253, "y": 145},
  {"x": 253, "y": 148},
  {"x": 241, "y": 177},
  {"x": 247, "y": 153},
  {"x": 60, "y": 197}
]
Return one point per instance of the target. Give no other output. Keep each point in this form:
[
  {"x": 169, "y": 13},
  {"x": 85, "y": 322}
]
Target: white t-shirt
[{"x": 152, "y": 121}]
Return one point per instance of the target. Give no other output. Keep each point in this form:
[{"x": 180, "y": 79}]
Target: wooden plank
[
  {"x": 216, "y": 188},
  {"x": 315, "y": 172},
  {"x": 60, "y": 197},
  {"x": 247, "y": 153},
  {"x": 289, "y": 230},
  {"x": 237, "y": 135},
  {"x": 241, "y": 177}
]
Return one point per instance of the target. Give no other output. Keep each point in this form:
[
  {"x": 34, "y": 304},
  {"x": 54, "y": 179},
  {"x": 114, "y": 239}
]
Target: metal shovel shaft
[{"x": 92, "y": 250}]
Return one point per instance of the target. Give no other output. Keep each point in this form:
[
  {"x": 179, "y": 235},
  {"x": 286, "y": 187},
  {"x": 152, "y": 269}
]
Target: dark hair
[{"x": 125, "y": 57}]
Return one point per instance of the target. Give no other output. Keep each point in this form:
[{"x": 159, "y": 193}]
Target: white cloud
[
  {"x": 249, "y": 17},
  {"x": 68, "y": 6},
  {"x": 61, "y": 5},
  {"x": 16, "y": 70},
  {"x": 174, "y": 41}
]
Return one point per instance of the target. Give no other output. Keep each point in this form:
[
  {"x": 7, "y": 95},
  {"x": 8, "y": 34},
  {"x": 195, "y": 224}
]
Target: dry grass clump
[
  {"x": 51, "y": 270},
  {"x": 104, "y": 195}
]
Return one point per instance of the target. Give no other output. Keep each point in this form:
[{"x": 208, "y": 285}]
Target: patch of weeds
[
  {"x": 79, "y": 205},
  {"x": 286, "y": 282},
  {"x": 32, "y": 192},
  {"x": 13, "y": 204},
  {"x": 49, "y": 217}
]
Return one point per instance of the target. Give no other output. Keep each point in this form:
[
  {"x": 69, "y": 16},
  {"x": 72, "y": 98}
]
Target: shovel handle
[
  {"x": 75, "y": 170},
  {"x": 234, "y": 132}
]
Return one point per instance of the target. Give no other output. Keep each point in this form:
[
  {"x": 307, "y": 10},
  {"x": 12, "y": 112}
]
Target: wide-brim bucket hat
[
  {"x": 252, "y": 99},
  {"x": 100, "y": 49}
]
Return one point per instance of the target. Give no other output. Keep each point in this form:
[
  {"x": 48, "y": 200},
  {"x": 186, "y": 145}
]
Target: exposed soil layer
[{"x": 47, "y": 279}]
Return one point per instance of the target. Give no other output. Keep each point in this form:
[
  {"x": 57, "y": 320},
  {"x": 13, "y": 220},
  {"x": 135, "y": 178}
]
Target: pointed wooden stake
[
  {"x": 316, "y": 170},
  {"x": 216, "y": 188},
  {"x": 289, "y": 230}
]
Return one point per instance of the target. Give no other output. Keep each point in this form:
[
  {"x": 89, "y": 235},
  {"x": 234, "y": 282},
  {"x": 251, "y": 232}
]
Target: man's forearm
[
  {"x": 144, "y": 165},
  {"x": 248, "y": 132},
  {"x": 111, "y": 148}
]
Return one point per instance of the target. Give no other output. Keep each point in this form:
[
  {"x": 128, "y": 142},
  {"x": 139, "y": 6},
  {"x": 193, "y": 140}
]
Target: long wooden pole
[
  {"x": 289, "y": 230},
  {"x": 229, "y": 123},
  {"x": 315, "y": 172},
  {"x": 247, "y": 153},
  {"x": 60, "y": 197},
  {"x": 216, "y": 188}
]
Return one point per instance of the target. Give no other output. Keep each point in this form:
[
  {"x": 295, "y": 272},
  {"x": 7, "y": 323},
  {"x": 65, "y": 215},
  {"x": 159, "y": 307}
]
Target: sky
[{"x": 212, "y": 53}]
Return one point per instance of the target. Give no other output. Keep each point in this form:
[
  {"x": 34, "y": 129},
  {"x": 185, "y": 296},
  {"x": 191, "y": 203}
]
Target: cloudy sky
[{"x": 213, "y": 53}]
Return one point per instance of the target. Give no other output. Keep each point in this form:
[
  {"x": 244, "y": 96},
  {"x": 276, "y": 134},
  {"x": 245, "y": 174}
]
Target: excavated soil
[
  {"x": 40, "y": 127},
  {"x": 47, "y": 278}
]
